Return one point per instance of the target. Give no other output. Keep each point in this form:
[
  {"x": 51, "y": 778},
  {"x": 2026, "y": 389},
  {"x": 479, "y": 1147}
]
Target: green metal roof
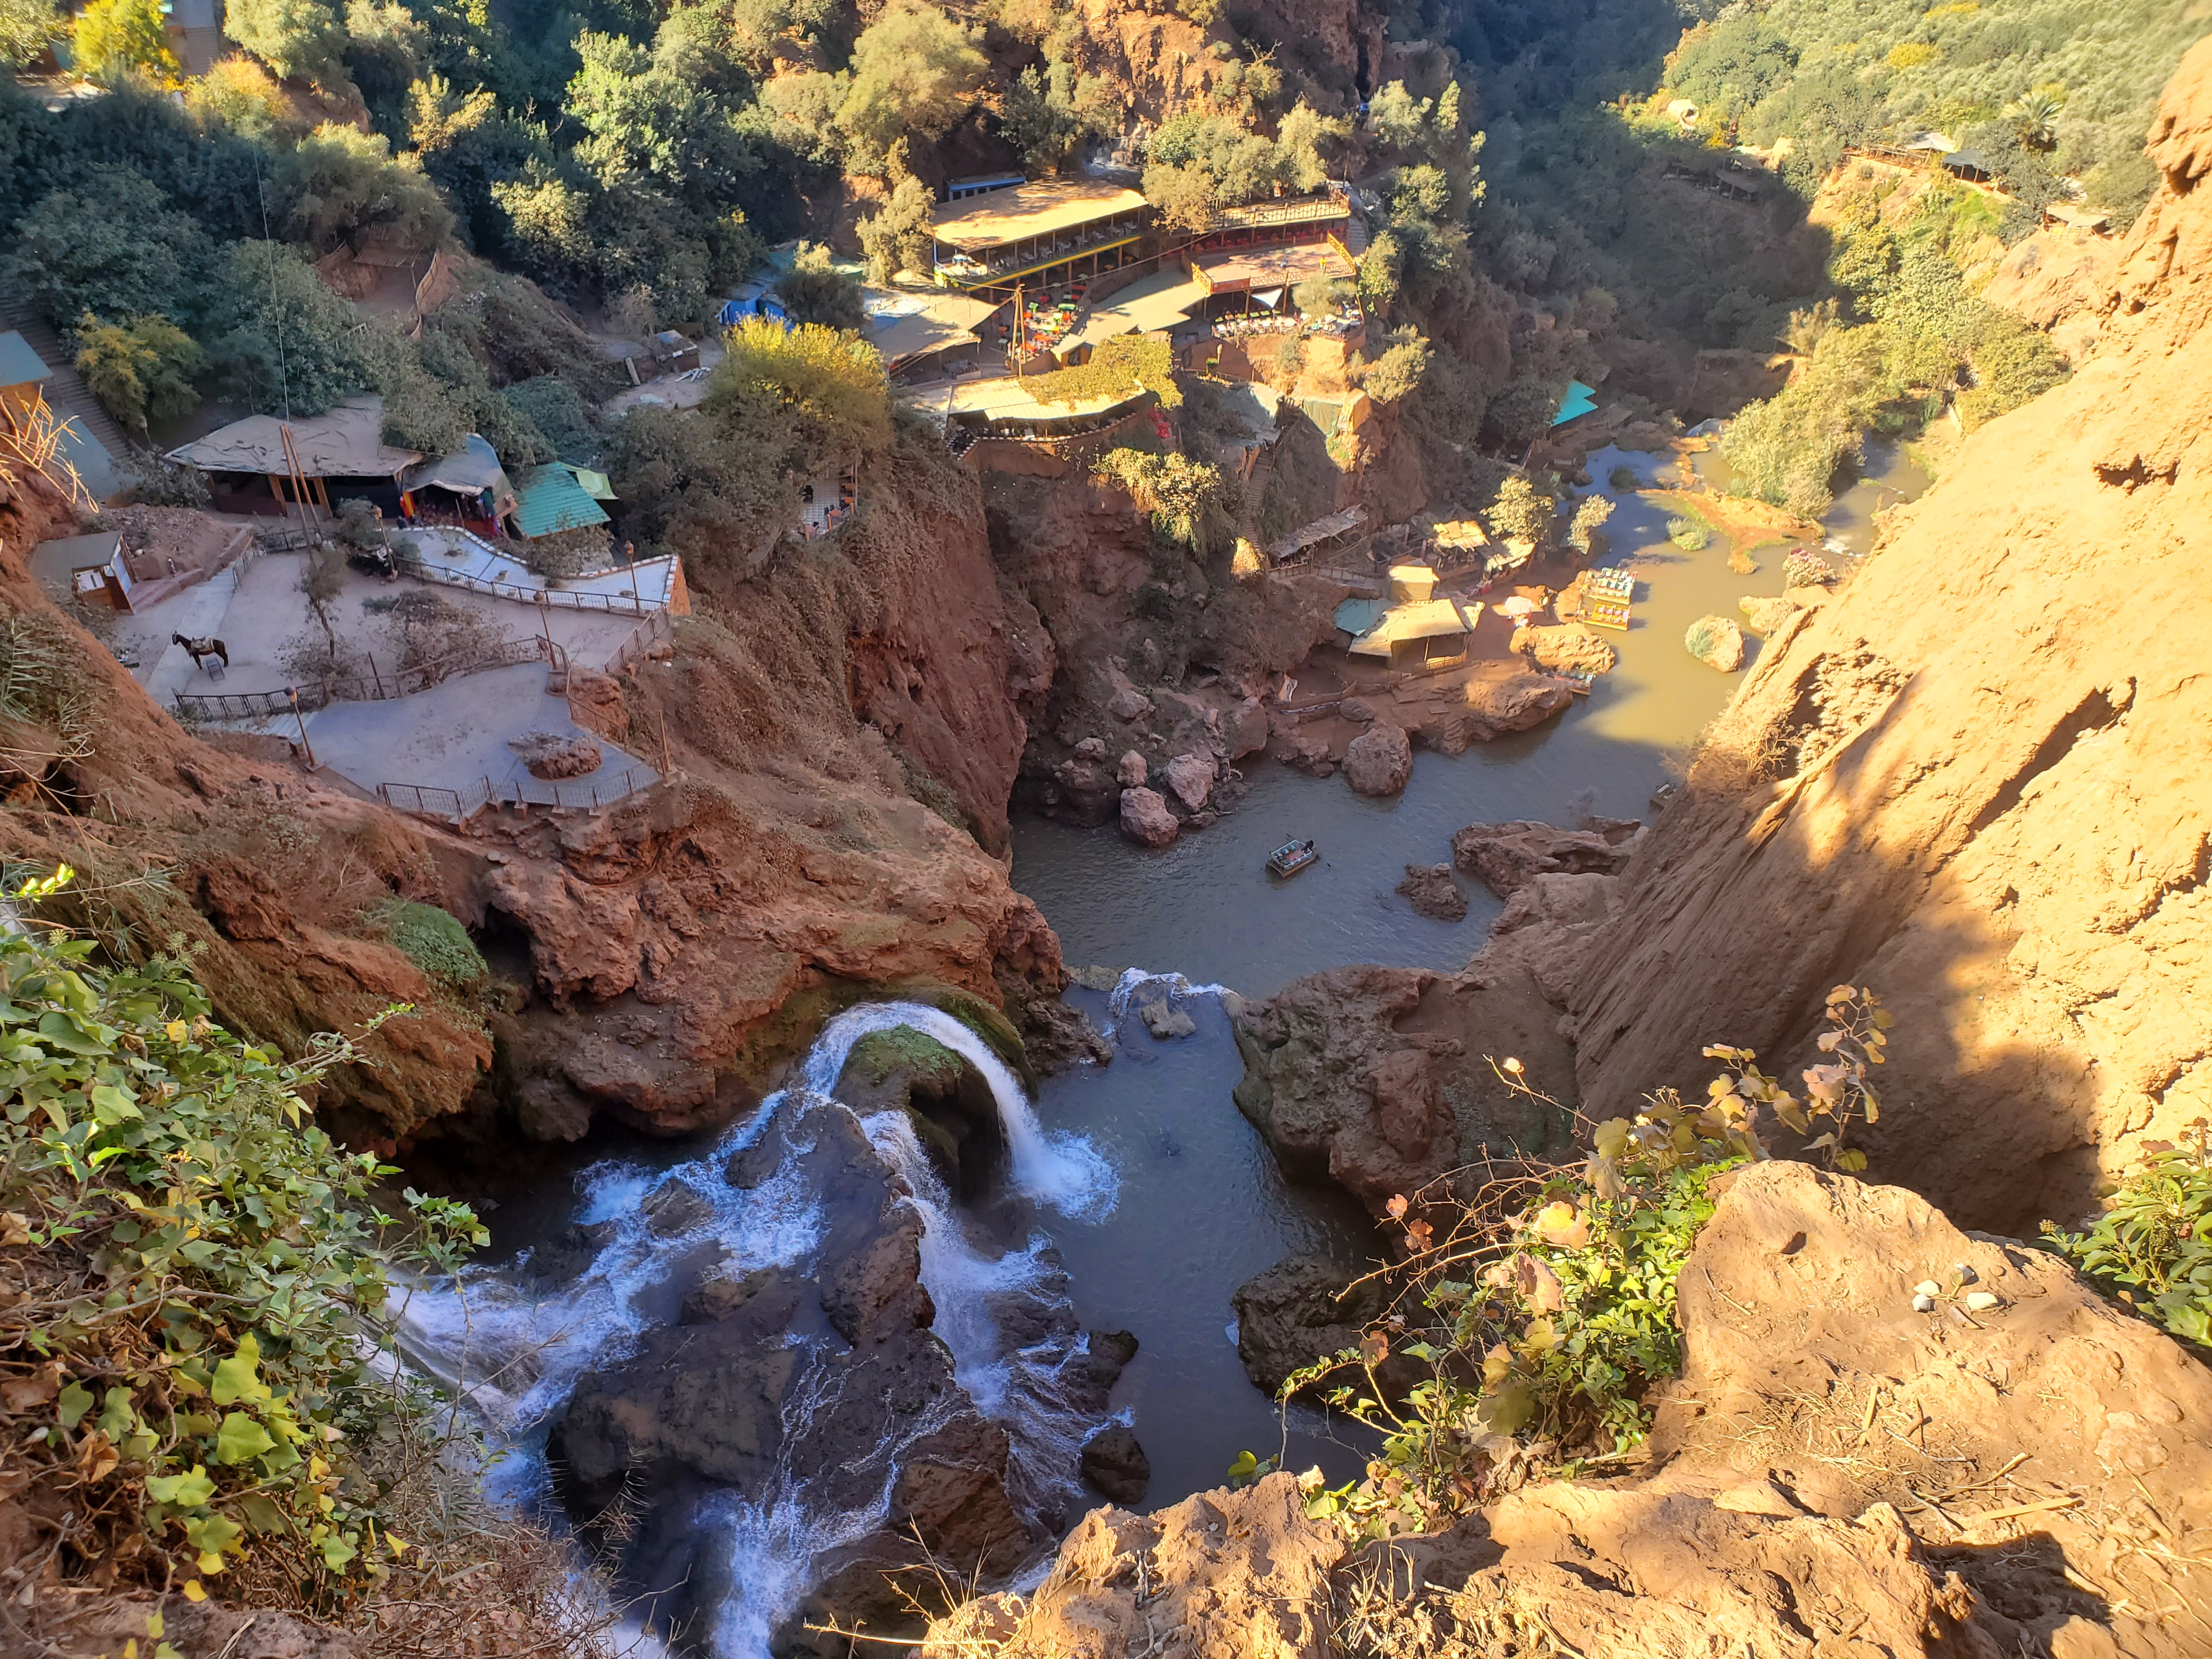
[
  {"x": 19, "y": 364},
  {"x": 549, "y": 499},
  {"x": 1580, "y": 400}
]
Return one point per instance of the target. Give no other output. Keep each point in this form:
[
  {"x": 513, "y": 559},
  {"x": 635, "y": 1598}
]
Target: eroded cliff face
[
  {"x": 842, "y": 734},
  {"x": 844, "y": 731},
  {"x": 263, "y": 872},
  {"x": 1977, "y": 782}
]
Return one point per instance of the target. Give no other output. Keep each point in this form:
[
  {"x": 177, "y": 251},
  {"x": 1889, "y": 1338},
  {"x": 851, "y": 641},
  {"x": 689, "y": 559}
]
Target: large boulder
[
  {"x": 948, "y": 1100},
  {"x": 1239, "y": 1575},
  {"x": 552, "y": 756},
  {"x": 1429, "y": 889},
  {"x": 1379, "y": 761},
  {"x": 1716, "y": 642},
  {"x": 1763, "y": 616},
  {"x": 1244, "y": 729},
  {"x": 1114, "y": 1462},
  {"x": 1505, "y": 857},
  {"x": 1338, "y": 1093},
  {"x": 1570, "y": 645},
  {"x": 1303, "y": 1309},
  {"x": 1145, "y": 818},
  {"x": 1298, "y": 749},
  {"x": 1190, "y": 780}
]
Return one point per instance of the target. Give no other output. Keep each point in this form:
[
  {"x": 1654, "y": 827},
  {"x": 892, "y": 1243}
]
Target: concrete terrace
[{"x": 451, "y": 737}]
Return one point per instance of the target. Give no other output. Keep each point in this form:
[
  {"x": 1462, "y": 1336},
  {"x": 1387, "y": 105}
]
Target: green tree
[
  {"x": 915, "y": 72},
  {"x": 1397, "y": 118},
  {"x": 647, "y": 124},
  {"x": 27, "y": 28},
  {"x": 115, "y": 37},
  {"x": 342, "y": 187},
  {"x": 1048, "y": 114},
  {"x": 112, "y": 246},
  {"x": 1591, "y": 514},
  {"x": 280, "y": 339},
  {"x": 237, "y": 92},
  {"x": 1393, "y": 376},
  {"x": 142, "y": 370},
  {"x": 298, "y": 38},
  {"x": 815, "y": 291},
  {"x": 895, "y": 236},
  {"x": 826, "y": 387},
  {"x": 555, "y": 407},
  {"x": 1521, "y": 512}
]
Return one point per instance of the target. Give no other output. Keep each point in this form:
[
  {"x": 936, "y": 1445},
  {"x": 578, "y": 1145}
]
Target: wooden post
[
  {"x": 377, "y": 677},
  {"x": 303, "y": 719},
  {"x": 665, "y": 767}
]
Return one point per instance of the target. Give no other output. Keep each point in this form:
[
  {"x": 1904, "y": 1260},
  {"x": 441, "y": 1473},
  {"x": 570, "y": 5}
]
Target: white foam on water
[
  {"x": 1133, "y": 980},
  {"x": 512, "y": 1348}
]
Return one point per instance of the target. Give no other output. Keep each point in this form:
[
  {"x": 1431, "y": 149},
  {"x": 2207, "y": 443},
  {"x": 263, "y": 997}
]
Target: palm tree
[{"x": 2034, "y": 118}]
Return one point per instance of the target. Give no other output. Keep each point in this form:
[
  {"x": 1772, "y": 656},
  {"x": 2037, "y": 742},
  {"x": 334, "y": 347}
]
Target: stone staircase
[{"x": 69, "y": 395}]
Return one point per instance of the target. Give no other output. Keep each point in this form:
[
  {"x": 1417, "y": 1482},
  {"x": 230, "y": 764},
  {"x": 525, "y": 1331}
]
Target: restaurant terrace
[{"x": 1042, "y": 233}]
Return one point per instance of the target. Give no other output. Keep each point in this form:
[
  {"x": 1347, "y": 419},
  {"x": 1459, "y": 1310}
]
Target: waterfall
[{"x": 512, "y": 1347}]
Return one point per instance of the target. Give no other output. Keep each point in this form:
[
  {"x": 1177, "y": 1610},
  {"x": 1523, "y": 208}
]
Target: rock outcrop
[
  {"x": 1429, "y": 889},
  {"x": 1569, "y": 645},
  {"x": 1304, "y": 1308},
  {"x": 1957, "y": 783},
  {"x": 711, "y": 1404},
  {"x": 1145, "y": 818},
  {"x": 1379, "y": 761},
  {"x": 1716, "y": 642},
  {"x": 1338, "y": 1093},
  {"x": 1762, "y": 615},
  {"x": 1506, "y": 857},
  {"x": 1834, "y": 1473}
]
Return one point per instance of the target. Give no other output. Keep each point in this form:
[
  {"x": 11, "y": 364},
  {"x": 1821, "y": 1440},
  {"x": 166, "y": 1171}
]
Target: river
[{"x": 1138, "y": 1178}]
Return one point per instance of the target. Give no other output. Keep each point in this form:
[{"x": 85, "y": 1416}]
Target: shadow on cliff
[{"x": 1786, "y": 866}]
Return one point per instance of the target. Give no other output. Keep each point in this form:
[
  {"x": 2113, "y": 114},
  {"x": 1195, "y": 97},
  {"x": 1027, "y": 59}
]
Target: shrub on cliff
[
  {"x": 433, "y": 940},
  {"x": 2151, "y": 1249},
  {"x": 1180, "y": 495},
  {"x": 1544, "y": 1307},
  {"x": 191, "y": 1349}
]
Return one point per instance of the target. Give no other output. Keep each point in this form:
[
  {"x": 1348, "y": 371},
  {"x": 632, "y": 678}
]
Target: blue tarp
[
  {"x": 1580, "y": 400},
  {"x": 755, "y": 303}
]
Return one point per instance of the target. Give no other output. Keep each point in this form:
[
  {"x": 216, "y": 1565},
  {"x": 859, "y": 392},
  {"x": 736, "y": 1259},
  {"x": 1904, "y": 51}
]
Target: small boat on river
[{"x": 1294, "y": 856}]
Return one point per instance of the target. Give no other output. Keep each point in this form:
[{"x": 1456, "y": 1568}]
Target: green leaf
[
  {"x": 337, "y": 1552},
  {"x": 186, "y": 1492},
  {"x": 241, "y": 1439},
  {"x": 74, "y": 1402},
  {"x": 238, "y": 1378}
]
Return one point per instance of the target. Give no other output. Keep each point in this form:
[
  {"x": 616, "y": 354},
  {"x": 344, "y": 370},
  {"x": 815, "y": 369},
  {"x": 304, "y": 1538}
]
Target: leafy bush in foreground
[
  {"x": 2152, "y": 1246},
  {"x": 196, "y": 1282},
  {"x": 1546, "y": 1307}
]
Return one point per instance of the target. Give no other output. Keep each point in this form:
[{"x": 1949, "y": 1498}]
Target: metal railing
[
  {"x": 432, "y": 800},
  {"x": 378, "y": 685},
  {"x": 558, "y": 599},
  {"x": 648, "y": 634}
]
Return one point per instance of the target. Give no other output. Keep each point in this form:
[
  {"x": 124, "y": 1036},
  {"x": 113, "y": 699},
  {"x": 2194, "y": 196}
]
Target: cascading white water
[{"x": 514, "y": 1353}]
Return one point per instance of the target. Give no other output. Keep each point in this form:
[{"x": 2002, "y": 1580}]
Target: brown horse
[{"x": 200, "y": 650}]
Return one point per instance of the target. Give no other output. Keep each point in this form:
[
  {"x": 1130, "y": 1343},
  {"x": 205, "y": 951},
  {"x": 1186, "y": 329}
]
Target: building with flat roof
[{"x": 1042, "y": 233}]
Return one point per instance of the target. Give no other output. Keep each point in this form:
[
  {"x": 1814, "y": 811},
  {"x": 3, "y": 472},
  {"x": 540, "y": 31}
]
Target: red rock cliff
[{"x": 1981, "y": 782}]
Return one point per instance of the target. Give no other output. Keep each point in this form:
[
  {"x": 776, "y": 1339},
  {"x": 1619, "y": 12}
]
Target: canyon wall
[
  {"x": 841, "y": 734},
  {"x": 1980, "y": 782}
]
